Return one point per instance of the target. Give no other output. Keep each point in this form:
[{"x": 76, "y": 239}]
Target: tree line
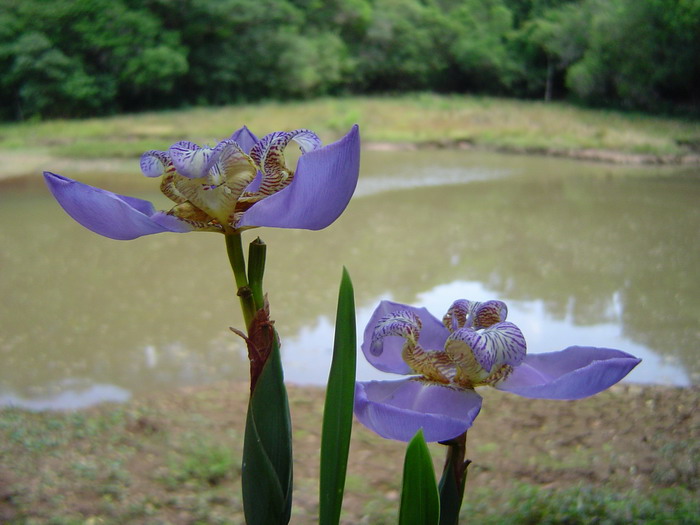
[{"x": 76, "y": 58}]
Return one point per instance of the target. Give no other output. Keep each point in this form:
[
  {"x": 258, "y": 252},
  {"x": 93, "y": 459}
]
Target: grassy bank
[
  {"x": 424, "y": 119},
  {"x": 629, "y": 455}
]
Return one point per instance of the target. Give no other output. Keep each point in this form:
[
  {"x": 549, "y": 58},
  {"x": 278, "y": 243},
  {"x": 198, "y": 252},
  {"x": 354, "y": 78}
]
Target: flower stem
[
  {"x": 234, "y": 248},
  {"x": 454, "y": 479},
  {"x": 256, "y": 267}
]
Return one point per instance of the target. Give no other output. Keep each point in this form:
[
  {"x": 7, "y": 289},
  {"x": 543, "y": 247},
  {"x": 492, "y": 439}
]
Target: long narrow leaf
[
  {"x": 267, "y": 448},
  {"x": 337, "y": 414},
  {"x": 420, "y": 502}
]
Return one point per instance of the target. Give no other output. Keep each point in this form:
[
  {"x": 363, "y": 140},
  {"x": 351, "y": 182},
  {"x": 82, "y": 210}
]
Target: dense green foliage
[{"x": 67, "y": 58}]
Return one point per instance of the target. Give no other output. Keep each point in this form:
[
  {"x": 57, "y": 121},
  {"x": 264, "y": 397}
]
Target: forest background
[{"x": 80, "y": 58}]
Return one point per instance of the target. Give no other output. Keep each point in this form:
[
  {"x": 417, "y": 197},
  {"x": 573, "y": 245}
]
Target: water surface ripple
[{"x": 583, "y": 253}]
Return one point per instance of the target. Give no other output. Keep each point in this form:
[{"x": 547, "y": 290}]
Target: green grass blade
[
  {"x": 337, "y": 414},
  {"x": 267, "y": 449},
  {"x": 420, "y": 502}
]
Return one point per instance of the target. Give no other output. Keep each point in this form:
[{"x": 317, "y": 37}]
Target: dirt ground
[{"x": 144, "y": 462}]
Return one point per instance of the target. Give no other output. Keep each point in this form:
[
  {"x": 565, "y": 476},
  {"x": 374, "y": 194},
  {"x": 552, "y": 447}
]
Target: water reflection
[
  {"x": 583, "y": 253},
  {"x": 68, "y": 395},
  {"x": 307, "y": 359}
]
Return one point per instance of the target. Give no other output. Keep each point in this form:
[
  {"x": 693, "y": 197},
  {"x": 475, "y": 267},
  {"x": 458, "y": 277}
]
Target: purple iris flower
[
  {"x": 240, "y": 183},
  {"x": 473, "y": 346}
]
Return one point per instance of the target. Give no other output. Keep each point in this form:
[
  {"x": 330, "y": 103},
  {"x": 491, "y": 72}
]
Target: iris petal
[
  {"x": 401, "y": 323},
  {"x": 457, "y": 314},
  {"x": 499, "y": 344},
  {"x": 109, "y": 214},
  {"x": 432, "y": 337},
  {"x": 245, "y": 139},
  {"x": 154, "y": 162},
  {"x": 269, "y": 155},
  {"x": 232, "y": 165},
  {"x": 307, "y": 140},
  {"x": 573, "y": 373},
  {"x": 259, "y": 151},
  {"x": 489, "y": 313},
  {"x": 277, "y": 141},
  {"x": 321, "y": 189},
  {"x": 189, "y": 159},
  {"x": 398, "y": 409}
]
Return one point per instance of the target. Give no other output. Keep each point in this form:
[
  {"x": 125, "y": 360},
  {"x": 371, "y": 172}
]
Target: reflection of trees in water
[
  {"x": 87, "y": 307},
  {"x": 95, "y": 310},
  {"x": 578, "y": 245}
]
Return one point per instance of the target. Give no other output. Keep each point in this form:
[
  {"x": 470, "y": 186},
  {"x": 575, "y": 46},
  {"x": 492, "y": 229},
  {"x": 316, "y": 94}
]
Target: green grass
[
  {"x": 419, "y": 118},
  {"x": 584, "y": 505},
  {"x": 201, "y": 461},
  {"x": 175, "y": 458}
]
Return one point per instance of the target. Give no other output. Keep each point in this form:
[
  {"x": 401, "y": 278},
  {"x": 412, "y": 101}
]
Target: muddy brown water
[{"x": 583, "y": 253}]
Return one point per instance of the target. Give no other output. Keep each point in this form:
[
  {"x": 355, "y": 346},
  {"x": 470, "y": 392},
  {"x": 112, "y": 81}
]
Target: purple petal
[
  {"x": 254, "y": 186},
  {"x": 154, "y": 162},
  {"x": 489, "y": 313},
  {"x": 398, "y": 409},
  {"x": 245, "y": 138},
  {"x": 499, "y": 344},
  {"x": 573, "y": 373},
  {"x": 457, "y": 314},
  {"x": 401, "y": 323},
  {"x": 277, "y": 141},
  {"x": 230, "y": 163},
  {"x": 307, "y": 140},
  {"x": 432, "y": 337},
  {"x": 109, "y": 214},
  {"x": 323, "y": 184},
  {"x": 259, "y": 151},
  {"x": 189, "y": 159}
]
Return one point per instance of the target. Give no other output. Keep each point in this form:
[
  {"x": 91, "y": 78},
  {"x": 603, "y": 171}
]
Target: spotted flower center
[
  {"x": 481, "y": 349},
  {"x": 213, "y": 187}
]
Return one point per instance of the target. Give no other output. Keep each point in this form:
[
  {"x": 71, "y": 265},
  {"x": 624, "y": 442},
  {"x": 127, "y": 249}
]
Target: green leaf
[
  {"x": 267, "y": 448},
  {"x": 337, "y": 414},
  {"x": 420, "y": 502}
]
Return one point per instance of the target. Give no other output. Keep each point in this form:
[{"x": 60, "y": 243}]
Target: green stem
[
  {"x": 256, "y": 268},
  {"x": 454, "y": 480},
  {"x": 234, "y": 248}
]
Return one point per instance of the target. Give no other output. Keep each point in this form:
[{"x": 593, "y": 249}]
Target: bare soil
[{"x": 138, "y": 462}]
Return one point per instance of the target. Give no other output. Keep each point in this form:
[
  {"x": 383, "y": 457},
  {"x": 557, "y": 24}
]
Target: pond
[{"x": 583, "y": 253}]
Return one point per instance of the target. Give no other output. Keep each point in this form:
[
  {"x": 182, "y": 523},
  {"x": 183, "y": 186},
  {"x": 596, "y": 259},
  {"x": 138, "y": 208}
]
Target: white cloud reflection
[
  {"x": 307, "y": 355},
  {"x": 72, "y": 396}
]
